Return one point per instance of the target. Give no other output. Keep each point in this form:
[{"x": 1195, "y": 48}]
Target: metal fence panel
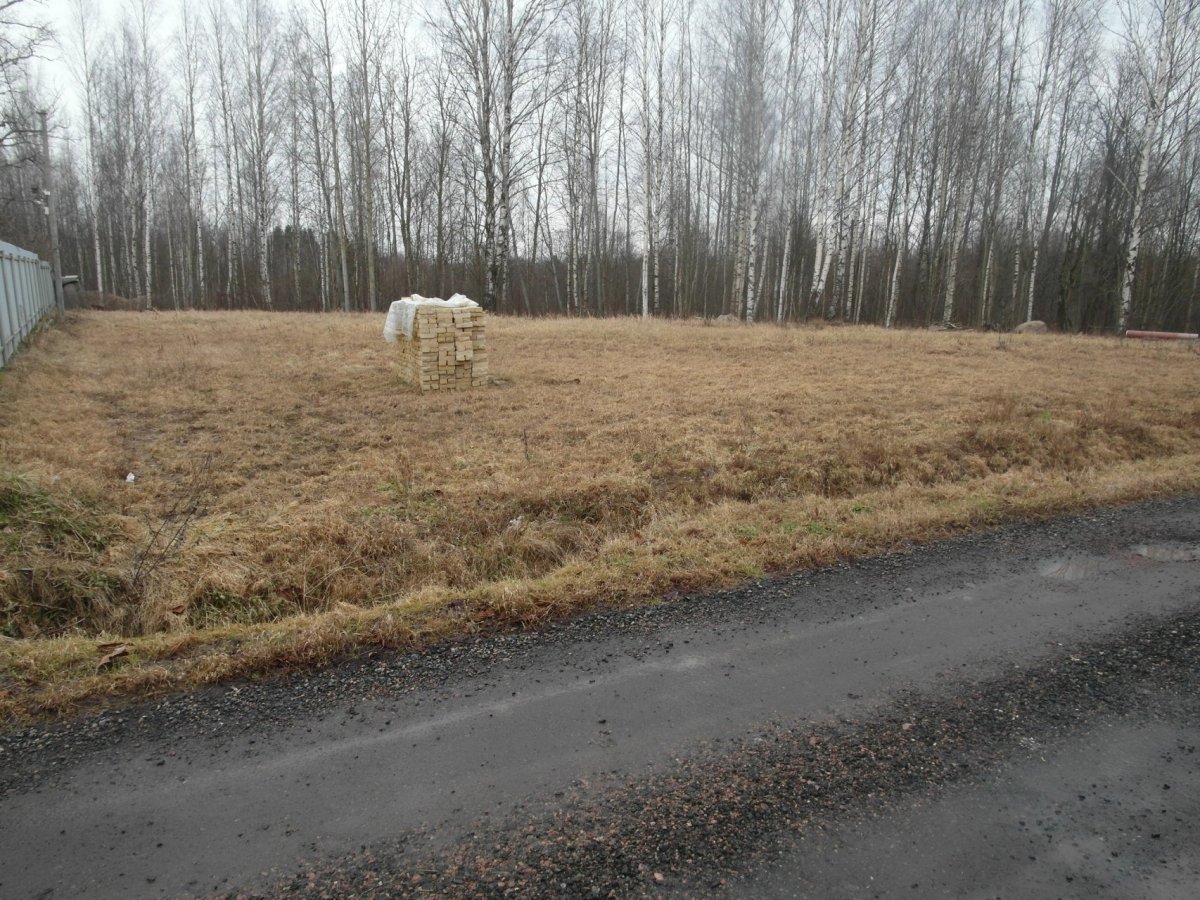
[{"x": 26, "y": 295}]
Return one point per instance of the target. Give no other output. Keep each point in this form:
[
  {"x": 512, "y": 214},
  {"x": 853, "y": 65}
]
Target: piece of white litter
[
  {"x": 402, "y": 312},
  {"x": 131, "y": 478}
]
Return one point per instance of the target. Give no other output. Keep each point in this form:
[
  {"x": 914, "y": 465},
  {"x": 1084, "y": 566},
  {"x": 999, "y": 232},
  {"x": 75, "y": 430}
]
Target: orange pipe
[{"x": 1162, "y": 336}]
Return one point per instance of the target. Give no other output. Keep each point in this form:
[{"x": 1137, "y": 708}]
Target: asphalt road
[
  {"x": 1111, "y": 812},
  {"x": 987, "y": 716}
]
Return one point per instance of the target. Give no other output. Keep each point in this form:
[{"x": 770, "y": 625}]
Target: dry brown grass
[{"x": 294, "y": 500}]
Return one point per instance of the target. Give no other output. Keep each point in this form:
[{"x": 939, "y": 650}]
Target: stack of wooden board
[{"x": 446, "y": 351}]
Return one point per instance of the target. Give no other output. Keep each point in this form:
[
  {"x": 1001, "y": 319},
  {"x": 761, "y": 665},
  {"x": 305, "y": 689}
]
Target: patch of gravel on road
[
  {"x": 35, "y": 757},
  {"x": 695, "y": 828}
]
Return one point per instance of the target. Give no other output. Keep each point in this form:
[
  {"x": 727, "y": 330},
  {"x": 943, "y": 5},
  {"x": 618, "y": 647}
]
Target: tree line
[{"x": 884, "y": 161}]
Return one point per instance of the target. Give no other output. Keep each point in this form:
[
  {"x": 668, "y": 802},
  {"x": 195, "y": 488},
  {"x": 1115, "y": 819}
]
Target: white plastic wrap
[{"x": 402, "y": 313}]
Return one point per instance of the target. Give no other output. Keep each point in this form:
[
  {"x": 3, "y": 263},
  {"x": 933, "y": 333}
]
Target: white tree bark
[
  {"x": 1156, "y": 100},
  {"x": 84, "y": 21},
  {"x": 831, "y": 34}
]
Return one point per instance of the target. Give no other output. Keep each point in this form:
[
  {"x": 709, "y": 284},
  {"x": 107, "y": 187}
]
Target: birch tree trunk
[
  {"x": 649, "y": 162},
  {"x": 218, "y": 38},
  {"x": 83, "y": 18},
  {"x": 261, "y": 129},
  {"x": 369, "y": 30},
  {"x": 325, "y": 49},
  {"x": 1155, "y": 101}
]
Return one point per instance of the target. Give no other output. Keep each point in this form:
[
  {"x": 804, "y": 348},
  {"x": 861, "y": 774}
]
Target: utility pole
[{"x": 51, "y": 214}]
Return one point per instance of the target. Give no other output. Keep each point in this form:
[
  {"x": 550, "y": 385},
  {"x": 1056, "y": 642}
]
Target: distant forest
[{"x": 898, "y": 162}]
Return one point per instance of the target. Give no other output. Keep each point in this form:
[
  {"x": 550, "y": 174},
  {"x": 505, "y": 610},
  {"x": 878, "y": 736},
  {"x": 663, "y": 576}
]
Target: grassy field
[{"x": 295, "y": 500}]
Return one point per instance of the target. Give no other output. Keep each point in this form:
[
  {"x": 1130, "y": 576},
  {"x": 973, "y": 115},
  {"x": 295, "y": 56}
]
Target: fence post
[
  {"x": 23, "y": 274},
  {"x": 12, "y": 281},
  {"x": 51, "y": 194},
  {"x": 33, "y": 312},
  {"x": 10, "y": 297},
  {"x": 5, "y": 327},
  {"x": 19, "y": 269},
  {"x": 41, "y": 280},
  {"x": 46, "y": 278}
]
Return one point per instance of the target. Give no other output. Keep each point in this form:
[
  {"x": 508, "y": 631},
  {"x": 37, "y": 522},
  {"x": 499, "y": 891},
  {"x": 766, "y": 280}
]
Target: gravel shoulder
[
  {"x": 1107, "y": 811},
  {"x": 436, "y": 765}
]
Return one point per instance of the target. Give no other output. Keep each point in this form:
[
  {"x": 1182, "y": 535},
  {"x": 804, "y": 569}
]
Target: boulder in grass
[{"x": 1033, "y": 326}]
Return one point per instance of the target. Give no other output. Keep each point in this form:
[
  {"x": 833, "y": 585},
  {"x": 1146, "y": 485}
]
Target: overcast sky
[{"x": 55, "y": 72}]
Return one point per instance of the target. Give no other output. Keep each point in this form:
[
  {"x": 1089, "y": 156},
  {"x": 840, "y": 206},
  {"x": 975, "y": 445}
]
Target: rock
[{"x": 1033, "y": 326}]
